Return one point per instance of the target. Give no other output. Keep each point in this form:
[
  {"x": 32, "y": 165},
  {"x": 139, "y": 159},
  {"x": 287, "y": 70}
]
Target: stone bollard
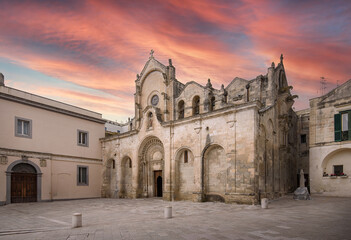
[
  {"x": 168, "y": 212},
  {"x": 76, "y": 220},
  {"x": 264, "y": 203}
]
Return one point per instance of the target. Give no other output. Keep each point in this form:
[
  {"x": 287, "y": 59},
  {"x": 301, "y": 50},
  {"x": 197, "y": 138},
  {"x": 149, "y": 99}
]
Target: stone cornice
[
  {"x": 187, "y": 120},
  {"x": 49, "y": 108},
  {"x": 48, "y": 156},
  {"x": 333, "y": 143}
]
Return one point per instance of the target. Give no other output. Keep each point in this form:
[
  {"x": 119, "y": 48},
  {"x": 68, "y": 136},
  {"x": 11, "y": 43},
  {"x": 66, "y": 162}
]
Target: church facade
[{"x": 194, "y": 142}]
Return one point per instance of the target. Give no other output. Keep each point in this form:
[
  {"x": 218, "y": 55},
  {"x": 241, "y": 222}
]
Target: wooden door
[
  {"x": 158, "y": 183},
  {"x": 23, "y": 187}
]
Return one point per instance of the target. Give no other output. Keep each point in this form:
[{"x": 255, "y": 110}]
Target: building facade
[
  {"x": 239, "y": 143},
  {"x": 329, "y": 141},
  {"x": 48, "y": 150},
  {"x": 194, "y": 142}
]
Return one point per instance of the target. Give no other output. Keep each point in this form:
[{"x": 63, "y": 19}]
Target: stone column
[
  {"x": 198, "y": 194},
  {"x": 167, "y": 173}
]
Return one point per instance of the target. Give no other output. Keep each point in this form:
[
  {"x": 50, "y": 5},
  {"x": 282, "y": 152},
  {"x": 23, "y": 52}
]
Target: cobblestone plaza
[{"x": 319, "y": 218}]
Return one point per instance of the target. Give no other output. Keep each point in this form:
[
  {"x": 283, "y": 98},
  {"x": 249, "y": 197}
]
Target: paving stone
[{"x": 285, "y": 219}]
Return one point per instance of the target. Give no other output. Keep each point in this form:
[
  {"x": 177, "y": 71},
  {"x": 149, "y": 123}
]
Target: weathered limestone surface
[{"x": 234, "y": 144}]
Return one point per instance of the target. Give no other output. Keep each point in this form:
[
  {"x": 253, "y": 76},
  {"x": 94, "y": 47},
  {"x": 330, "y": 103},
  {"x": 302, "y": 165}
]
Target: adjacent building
[
  {"x": 48, "y": 150},
  {"x": 328, "y": 137}
]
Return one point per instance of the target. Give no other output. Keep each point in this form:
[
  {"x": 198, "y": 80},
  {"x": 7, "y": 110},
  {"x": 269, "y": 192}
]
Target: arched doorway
[
  {"x": 214, "y": 173},
  {"x": 151, "y": 163},
  {"x": 110, "y": 176},
  {"x": 126, "y": 177},
  {"x": 23, "y": 182},
  {"x": 184, "y": 175},
  {"x": 158, "y": 192}
]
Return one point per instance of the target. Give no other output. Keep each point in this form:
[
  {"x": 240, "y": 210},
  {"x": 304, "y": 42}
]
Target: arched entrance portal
[
  {"x": 23, "y": 182},
  {"x": 150, "y": 172}
]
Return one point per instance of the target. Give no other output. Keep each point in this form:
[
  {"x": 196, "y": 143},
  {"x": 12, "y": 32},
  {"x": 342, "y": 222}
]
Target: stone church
[{"x": 194, "y": 142}]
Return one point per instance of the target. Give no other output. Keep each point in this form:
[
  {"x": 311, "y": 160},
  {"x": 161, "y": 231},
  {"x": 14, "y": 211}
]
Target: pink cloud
[{"x": 104, "y": 44}]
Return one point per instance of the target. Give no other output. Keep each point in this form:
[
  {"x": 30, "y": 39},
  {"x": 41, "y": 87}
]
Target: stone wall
[{"x": 226, "y": 160}]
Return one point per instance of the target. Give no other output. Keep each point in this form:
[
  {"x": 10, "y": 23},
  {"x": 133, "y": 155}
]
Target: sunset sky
[{"x": 87, "y": 53}]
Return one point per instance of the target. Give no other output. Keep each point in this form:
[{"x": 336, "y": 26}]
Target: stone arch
[
  {"x": 214, "y": 172},
  {"x": 151, "y": 160},
  {"x": 340, "y": 156},
  {"x": 196, "y": 105},
  {"x": 148, "y": 73},
  {"x": 181, "y": 109},
  {"x": 126, "y": 177},
  {"x": 110, "y": 179},
  {"x": 184, "y": 174},
  {"x": 11, "y": 170},
  {"x": 212, "y": 103}
]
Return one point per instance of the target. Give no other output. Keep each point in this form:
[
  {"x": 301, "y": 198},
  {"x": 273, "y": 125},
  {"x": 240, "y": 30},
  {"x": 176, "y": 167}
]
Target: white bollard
[
  {"x": 76, "y": 220},
  {"x": 168, "y": 212},
  {"x": 264, "y": 203}
]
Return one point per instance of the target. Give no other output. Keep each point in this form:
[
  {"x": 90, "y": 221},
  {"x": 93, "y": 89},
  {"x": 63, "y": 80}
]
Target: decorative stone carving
[
  {"x": 159, "y": 162},
  {"x": 165, "y": 79},
  {"x": 224, "y": 94},
  {"x": 149, "y": 125},
  {"x": 237, "y": 98},
  {"x": 291, "y": 98},
  {"x": 157, "y": 156},
  {"x": 42, "y": 162},
  {"x": 231, "y": 123},
  {"x": 3, "y": 160},
  {"x": 209, "y": 84},
  {"x": 197, "y": 129}
]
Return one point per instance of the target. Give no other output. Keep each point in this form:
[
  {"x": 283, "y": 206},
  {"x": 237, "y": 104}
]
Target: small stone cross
[{"x": 152, "y": 53}]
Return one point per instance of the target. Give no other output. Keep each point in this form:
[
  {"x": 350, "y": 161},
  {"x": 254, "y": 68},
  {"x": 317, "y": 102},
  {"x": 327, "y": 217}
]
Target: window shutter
[
  {"x": 337, "y": 127},
  {"x": 349, "y": 125}
]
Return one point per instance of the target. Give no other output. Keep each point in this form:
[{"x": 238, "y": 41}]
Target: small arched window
[
  {"x": 196, "y": 105},
  {"x": 181, "y": 109},
  {"x": 186, "y": 156},
  {"x": 212, "y": 104},
  {"x": 113, "y": 164},
  {"x": 149, "y": 125},
  {"x": 130, "y": 163}
]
